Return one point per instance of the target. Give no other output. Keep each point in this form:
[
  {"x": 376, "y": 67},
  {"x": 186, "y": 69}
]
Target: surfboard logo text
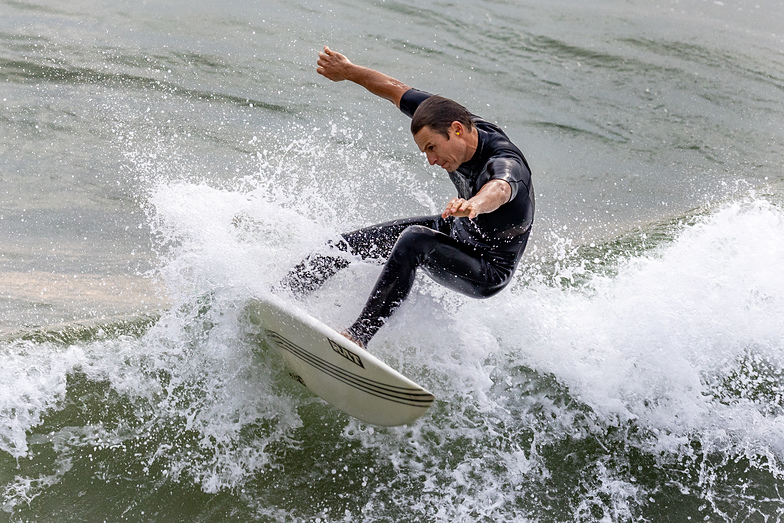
[{"x": 350, "y": 356}]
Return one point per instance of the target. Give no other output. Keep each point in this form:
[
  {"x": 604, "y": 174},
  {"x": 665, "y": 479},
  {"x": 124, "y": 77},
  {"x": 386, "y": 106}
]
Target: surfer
[{"x": 474, "y": 245}]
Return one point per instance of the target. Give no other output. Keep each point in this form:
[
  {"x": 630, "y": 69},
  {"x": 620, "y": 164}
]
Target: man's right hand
[
  {"x": 333, "y": 65},
  {"x": 337, "y": 68}
]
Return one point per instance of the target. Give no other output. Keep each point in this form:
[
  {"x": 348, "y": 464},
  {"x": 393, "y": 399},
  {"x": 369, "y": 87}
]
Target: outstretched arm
[{"x": 337, "y": 68}]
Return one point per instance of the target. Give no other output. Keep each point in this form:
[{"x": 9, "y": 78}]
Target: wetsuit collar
[{"x": 476, "y": 160}]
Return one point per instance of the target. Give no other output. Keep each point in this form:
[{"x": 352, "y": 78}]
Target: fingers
[
  {"x": 332, "y": 64},
  {"x": 328, "y": 54},
  {"x": 459, "y": 208},
  {"x": 323, "y": 57},
  {"x": 450, "y": 207},
  {"x": 325, "y": 54},
  {"x": 447, "y": 210}
]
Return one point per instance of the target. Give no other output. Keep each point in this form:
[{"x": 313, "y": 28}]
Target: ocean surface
[{"x": 163, "y": 164}]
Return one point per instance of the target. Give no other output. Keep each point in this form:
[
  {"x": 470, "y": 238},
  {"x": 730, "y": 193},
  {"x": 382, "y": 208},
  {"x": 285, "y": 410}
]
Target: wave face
[{"x": 646, "y": 386}]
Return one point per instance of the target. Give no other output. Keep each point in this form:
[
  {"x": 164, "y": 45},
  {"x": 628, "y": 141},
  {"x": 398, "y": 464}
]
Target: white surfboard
[{"x": 338, "y": 370}]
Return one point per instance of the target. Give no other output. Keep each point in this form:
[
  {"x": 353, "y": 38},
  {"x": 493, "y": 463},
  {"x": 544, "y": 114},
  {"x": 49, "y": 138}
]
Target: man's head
[
  {"x": 444, "y": 131},
  {"x": 438, "y": 113}
]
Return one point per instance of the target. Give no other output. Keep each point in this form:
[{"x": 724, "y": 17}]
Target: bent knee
[
  {"x": 418, "y": 232},
  {"x": 416, "y": 239}
]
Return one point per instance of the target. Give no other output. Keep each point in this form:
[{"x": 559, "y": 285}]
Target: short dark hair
[{"x": 438, "y": 113}]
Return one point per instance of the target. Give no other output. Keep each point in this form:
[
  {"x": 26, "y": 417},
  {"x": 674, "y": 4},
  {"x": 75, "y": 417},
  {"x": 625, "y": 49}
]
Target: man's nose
[{"x": 431, "y": 158}]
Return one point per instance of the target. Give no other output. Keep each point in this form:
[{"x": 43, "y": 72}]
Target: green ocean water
[{"x": 164, "y": 164}]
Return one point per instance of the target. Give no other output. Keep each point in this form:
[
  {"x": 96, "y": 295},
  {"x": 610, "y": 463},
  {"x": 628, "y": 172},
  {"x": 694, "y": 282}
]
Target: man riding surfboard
[{"x": 474, "y": 245}]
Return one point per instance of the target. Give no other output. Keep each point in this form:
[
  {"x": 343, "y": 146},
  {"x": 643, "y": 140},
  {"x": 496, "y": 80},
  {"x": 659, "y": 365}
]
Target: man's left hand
[
  {"x": 460, "y": 208},
  {"x": 490, "y": 197}
]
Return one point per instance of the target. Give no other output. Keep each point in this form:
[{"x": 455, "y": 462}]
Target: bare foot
[{"x": 351, "y": 338}]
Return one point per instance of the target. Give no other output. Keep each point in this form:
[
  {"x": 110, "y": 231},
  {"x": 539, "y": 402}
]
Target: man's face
[{"x": 446, "y": 153}]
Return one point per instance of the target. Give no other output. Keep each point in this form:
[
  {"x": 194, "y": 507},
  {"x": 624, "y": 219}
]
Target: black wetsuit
[{"x": 475, "y": 257}]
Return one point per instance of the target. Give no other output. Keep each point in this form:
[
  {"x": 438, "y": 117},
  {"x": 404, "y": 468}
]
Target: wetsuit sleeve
[
  {"x": 514, "y": 217},
  {"x": 411, "y": 100},
  {"x": 512, "y": 171}
]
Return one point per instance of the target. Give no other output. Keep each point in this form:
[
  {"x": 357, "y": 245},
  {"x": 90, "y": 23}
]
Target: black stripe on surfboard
[{"x": 403, "y": 395}]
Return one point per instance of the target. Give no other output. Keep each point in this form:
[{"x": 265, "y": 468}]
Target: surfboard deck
[{"x": 338, "y": 370}]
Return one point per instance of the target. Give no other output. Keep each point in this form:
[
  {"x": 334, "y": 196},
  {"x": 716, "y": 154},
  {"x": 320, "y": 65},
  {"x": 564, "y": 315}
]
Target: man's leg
[
  {"x": 451, "y": 263},
  {"x": 374, "y": 242}
]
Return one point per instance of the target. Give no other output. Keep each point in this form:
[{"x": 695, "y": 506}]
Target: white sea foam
[
  {"x": 650, "y": 343},
  {"x": 32, "y": 382},
  {"x": 654, "y": 344}
]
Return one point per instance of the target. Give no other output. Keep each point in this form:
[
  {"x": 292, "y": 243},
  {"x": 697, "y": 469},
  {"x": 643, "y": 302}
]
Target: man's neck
[{"x": 472, "y": 142}]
